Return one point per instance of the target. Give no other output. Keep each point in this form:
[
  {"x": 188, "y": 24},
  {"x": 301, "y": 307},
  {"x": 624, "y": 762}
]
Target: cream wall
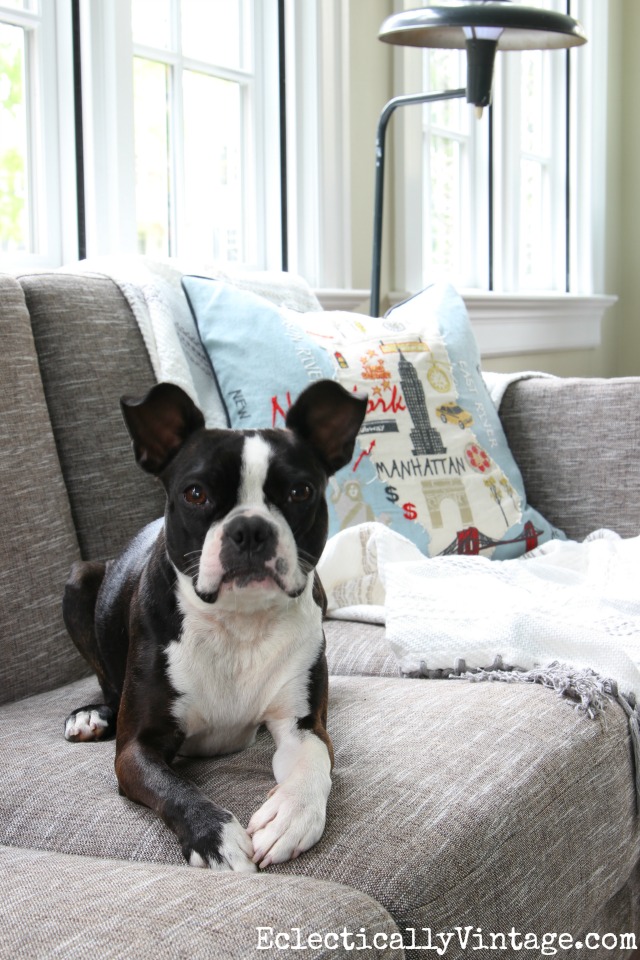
[
  {"x": 624, "y": 232},
  {"x": 372, "y": 85},
  {"x": 370, "y": 88}
]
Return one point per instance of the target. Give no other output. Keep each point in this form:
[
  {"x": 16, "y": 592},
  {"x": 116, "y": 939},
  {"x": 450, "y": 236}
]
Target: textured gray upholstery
[
  {"x": 91, "y": 353},
  {"x": 79, "y": 907},
  {"x": 452, "y": 785},
  {"x": 38, "y": 538},
  {"x": 359, "y": 649},
  {"x": 575, "y": 441}
]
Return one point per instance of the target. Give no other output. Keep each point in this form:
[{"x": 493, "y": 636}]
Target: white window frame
[
  {"x": 107, "y": 80},
  {"x": 318, "y": 168},
  {"x": 51, "y": 138}
]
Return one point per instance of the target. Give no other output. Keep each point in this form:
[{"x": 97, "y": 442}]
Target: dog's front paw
[
  {"x": 225, "y": 847},
  {"x": 95, "y": 722},
  {"x": 290, "y": 822}
]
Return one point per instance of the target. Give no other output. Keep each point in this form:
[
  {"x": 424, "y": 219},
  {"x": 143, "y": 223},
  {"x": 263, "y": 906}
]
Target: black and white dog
[{"x": 210, "y": 622}]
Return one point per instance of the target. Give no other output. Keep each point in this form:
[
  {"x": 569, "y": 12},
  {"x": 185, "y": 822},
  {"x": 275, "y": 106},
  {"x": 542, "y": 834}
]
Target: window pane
[
  {"x": 538, "y": 153},
  {"x": 447, "y": 133},
  {"x": 14, "y": 193},
  {"x": 211, "y": 31},
  {"x": 151, "y": 24},
  {"x": 535, "y": 238},
  {"x": 535, "y": 103},
  {"x": 153, "y": 184},
  {"x": 447, "y": 71},
  {"x": 212, "y": 167},
  {"x": 445, "y": 247}
]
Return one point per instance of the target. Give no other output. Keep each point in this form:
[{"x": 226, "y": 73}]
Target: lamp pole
[{"x": 387, "y": 112}]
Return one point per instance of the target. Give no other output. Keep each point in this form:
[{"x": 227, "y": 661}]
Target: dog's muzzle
[{"x": 249, "y": 554}]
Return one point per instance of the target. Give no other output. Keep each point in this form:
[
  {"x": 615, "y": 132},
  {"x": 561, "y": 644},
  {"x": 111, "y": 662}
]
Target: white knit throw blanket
[{"x": 566, "y": 614}]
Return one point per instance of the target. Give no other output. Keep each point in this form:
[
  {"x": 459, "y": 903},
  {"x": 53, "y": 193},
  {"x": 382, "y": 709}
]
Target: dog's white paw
[
  {"x": 88, "y": 723},
  {"x": 290, "y": 822},
  {"x": 233, "y": 852}
]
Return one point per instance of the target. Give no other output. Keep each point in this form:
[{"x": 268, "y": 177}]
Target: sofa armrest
[
  {"x": 575, "y": 441},
  {"x": 56, "y": 904}
]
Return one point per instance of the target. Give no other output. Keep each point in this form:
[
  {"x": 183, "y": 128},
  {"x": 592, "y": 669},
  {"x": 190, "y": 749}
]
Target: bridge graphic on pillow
[{"x": 471, "y": 541}]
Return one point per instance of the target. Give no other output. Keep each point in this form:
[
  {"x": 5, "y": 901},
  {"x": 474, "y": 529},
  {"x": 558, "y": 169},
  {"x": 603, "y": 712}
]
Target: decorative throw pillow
[{"x": 432, "y": 461}]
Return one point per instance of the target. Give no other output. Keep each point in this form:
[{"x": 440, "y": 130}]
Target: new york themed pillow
[{"x": 432, "y": 461}]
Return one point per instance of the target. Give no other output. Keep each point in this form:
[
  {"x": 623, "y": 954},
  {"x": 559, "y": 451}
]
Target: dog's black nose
[{"x": 252, "y": 536}]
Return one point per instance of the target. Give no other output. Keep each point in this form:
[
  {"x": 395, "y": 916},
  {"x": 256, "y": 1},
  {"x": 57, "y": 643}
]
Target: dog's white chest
[{"x": 233, "y": 674}]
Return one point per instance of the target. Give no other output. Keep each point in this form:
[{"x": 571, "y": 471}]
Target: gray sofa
[{"x": 471, "y": 809}]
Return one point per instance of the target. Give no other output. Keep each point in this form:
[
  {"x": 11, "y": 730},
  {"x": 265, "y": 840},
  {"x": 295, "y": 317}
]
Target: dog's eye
[
  {"x": 300, "y": 492},
  {"x": 195, "y": 496}
]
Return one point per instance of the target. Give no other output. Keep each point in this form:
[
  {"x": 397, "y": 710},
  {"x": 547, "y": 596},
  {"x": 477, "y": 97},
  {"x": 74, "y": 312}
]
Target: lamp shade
[
  {"x": 514, "y": 27},
  {"x": 482, "y": 28}
]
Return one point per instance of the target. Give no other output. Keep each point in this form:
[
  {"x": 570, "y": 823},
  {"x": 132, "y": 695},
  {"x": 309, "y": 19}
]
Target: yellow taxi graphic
[{"x": 453, "y": 413}]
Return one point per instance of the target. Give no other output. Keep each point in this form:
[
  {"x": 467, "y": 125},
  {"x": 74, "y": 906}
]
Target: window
[
  {"x": 530, "y": 176},
  {"x": 37, "y": 166},
  {"x": 16, "y": 232},
  {"x": 194, "y": 113},
  {"x": 490, "y": 199},
  {"x": 180, "y": 107},
  {"x": 454, "y": 178}
]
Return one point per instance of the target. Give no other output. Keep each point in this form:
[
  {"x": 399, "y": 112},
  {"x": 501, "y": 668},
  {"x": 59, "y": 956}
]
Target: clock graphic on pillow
[{"x": 438, "y": 377}]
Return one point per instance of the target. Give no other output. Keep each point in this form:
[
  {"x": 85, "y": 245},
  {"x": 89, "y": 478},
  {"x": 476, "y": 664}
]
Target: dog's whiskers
[
  {"x": 192, "y": 567},
  {"x": 306, "y": 561}
]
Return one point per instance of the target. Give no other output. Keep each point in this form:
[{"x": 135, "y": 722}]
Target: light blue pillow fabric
[
  {"x": 259, "y": 359},
  {"x": 432, "y": 461}
]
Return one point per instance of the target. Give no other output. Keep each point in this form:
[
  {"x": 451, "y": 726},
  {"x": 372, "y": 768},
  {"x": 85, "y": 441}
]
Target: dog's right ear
[{"x": 159, "y": 424}]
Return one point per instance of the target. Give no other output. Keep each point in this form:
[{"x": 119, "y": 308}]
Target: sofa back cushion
[
  {"x": 575, "y": 441},
  {"x": 38, "y": 538},
  {"x": 91, "y": 353}
]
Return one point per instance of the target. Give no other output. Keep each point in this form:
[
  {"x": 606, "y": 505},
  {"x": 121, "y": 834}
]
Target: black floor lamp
[{"x": 481, "y": 28}]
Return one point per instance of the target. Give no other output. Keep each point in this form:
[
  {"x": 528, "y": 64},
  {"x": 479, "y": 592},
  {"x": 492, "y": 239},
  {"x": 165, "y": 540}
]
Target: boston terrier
[{"x": 209, "y": 624}]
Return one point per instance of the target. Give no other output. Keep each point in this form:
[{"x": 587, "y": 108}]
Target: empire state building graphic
[{"x": 426, "y": 440}]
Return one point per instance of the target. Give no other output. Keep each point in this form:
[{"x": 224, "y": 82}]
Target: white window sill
[{"x": 507, "y": 324}]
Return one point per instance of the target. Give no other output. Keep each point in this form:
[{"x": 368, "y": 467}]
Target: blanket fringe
[{"x": 591, "y": 692}]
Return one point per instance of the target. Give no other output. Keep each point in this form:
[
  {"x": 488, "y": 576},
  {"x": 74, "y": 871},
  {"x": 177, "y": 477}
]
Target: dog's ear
[
  {"x": 159, "y": 424},
  {"x": 328, "y": 417}
]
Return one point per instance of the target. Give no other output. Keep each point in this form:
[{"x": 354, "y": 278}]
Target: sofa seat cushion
[
  {"x": 360, "y": 649},
  {"x": 79, "y": 907},
  {"x": 452, "y": 802}
]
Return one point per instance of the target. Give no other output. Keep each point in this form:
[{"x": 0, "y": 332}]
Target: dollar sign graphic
[
  {"x": 392, "y": 494},
  {"x": 410, "y": 511}
]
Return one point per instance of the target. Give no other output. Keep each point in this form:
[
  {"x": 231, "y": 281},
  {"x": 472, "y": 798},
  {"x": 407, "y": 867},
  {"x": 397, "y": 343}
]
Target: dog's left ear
[
  {"x": 328, "y": 417},
  {"x": 159, "y": 424}
]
